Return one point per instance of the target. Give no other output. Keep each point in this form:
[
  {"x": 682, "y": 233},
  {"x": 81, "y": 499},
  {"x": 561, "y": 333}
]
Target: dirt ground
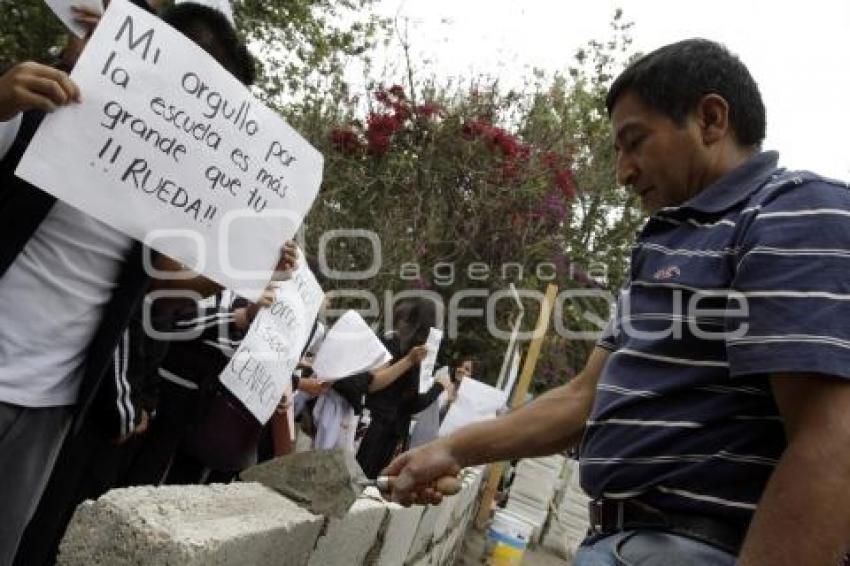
[{"x": 472, "y": 553}]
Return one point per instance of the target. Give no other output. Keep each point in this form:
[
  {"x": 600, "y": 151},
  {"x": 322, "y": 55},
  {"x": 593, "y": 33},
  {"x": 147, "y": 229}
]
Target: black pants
[
  {"x": 378, "y": 447},
  {"x": 177, "y": 410}
]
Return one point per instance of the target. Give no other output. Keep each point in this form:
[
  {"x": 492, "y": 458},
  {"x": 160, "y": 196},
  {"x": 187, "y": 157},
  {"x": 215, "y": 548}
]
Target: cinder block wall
[{"x": 249, "y": 524}]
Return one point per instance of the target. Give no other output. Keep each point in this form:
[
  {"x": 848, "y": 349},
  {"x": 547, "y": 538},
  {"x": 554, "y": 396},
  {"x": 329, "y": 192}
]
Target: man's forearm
[
  {"x": 802, "y": 517},
  {"x": 549, "y": 424}
]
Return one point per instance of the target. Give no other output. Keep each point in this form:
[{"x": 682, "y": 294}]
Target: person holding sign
[{"x": 71, "y": 284}]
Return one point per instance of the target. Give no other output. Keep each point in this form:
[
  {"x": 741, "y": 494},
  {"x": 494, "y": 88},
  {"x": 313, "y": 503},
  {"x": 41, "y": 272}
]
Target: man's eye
[{"x": 633, "y": 142}]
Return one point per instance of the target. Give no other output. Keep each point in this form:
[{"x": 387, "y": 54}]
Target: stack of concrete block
[
  {"x": 249, "y": 524},
  {"x": 535, "y": 482},
  {"x": 569, "y": 523}
]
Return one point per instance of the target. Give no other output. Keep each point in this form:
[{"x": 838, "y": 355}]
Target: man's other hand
[{"x": 30, "y": 85}]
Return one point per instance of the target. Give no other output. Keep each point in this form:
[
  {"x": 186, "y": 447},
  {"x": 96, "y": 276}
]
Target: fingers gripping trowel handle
[{"x": 447, "y": 485}]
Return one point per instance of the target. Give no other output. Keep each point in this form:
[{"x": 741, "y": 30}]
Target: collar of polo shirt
[{"x": 734, "y": 186}]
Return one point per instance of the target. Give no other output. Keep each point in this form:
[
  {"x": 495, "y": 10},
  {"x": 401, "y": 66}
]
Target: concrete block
[
  {"x": 424, "y": 532},
  {"x": 424, "y": 560},
  {"x": 399, "y": 533},
  {"x": 444, "y": 518},
  {"x": 217, "y": 525},
  {"x": 349, "y": 540}
]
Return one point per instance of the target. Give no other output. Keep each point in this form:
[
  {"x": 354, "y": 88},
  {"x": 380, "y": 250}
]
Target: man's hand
[
  {"x": 312, "y": 386},
  {"x": 417, "y": 354},
  {"x": 417, "y": 471},
  {"x": 30, "y": 85},
  {"x": 287, "y": 263}
]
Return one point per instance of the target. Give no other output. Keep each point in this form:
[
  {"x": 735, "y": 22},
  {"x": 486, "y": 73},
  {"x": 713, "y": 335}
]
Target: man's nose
[{"x": 626, "y": 171}]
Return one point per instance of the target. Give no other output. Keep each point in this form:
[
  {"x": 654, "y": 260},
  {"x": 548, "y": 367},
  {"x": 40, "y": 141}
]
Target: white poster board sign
[
  {"x": 62, "y": 9},
  {"x": 169, "y": 148},
  {"x": 260, "y": 372},
  {"x": 349, "y": 347},
  {"x": 426, "y": 368},
  {"x": 475, "y": 402}
]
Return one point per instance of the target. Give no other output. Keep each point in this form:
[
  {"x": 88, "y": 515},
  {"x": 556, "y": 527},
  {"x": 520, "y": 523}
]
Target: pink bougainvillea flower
[
  {"x": 345, "y": 141},
  {"x": 564, "y": 182}
]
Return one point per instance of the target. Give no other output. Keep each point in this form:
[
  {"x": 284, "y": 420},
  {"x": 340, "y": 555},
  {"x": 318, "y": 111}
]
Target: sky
[{"x": 798, "y": 52}]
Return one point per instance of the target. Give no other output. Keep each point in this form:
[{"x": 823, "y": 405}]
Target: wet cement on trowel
[{"x": 323, "y": 481}]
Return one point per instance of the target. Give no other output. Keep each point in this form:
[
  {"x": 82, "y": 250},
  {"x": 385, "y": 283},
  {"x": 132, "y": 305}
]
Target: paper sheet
[
  {"x": 350, "y": 347},
  {"x": 426, "y": 368},
  {"x": 475, "y": 402}
]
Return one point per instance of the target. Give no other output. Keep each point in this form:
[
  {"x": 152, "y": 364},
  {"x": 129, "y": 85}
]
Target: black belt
[{"x": 609, "y": 516}]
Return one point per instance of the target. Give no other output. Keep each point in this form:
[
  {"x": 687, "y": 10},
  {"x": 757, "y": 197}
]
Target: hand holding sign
[{"x": 33, "y": 86}]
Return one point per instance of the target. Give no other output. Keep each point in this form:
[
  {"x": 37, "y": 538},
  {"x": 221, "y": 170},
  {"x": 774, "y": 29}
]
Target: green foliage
[{"x": 28, "y": 31}]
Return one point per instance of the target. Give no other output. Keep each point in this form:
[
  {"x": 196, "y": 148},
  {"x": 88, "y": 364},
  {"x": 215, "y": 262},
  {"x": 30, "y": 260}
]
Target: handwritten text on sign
[
  {"x": 260, "y": 371},
  {"x": 169, "y": 148}
]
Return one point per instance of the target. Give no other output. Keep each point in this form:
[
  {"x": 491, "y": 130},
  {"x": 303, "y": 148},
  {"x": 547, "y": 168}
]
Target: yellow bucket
[{"x": 507, "y": 538}]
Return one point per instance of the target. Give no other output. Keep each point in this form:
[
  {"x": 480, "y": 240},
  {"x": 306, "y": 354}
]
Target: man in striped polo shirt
[{"x": 714, "y": 414}]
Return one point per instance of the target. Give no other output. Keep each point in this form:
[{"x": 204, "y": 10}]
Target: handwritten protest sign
[
  {"x": 169, "y": 148},
  {"x": 426, "y": 368},
  {"x": 260, "y": 371},
  {"x": 62, "y": 9}
]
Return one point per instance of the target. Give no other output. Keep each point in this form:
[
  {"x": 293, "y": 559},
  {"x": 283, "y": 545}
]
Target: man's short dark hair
[
  {"x": 674, "y": 78},
  {"x": 210, "y": 29}
]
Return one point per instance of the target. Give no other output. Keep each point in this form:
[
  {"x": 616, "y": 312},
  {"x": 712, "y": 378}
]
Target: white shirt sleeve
[{"x": 8, "y": 132}]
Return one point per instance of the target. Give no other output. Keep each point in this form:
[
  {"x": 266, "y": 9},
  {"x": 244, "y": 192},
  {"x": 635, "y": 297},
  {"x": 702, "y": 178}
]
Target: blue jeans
[{"x": 649, "y": 548}]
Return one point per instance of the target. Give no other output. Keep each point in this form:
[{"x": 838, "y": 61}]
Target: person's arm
[
  {"x": 385, "y": 376},
  {"x": 803, "y": 516},
  {"x": 422, "y": 401},
  {"x": 552, "y": 422}
]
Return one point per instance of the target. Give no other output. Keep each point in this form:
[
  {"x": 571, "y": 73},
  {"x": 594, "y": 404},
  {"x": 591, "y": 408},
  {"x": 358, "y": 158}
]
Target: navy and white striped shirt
[{"x": 750, "y": 277}]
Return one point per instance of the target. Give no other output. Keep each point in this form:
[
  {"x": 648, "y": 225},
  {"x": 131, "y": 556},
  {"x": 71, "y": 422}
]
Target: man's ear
[{"x": 712, "y": 115}]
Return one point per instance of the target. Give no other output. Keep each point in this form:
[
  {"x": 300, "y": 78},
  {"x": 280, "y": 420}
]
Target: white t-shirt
[
  {"x": 8, "y": 131},
  {"x": 51, "y": 302}
]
